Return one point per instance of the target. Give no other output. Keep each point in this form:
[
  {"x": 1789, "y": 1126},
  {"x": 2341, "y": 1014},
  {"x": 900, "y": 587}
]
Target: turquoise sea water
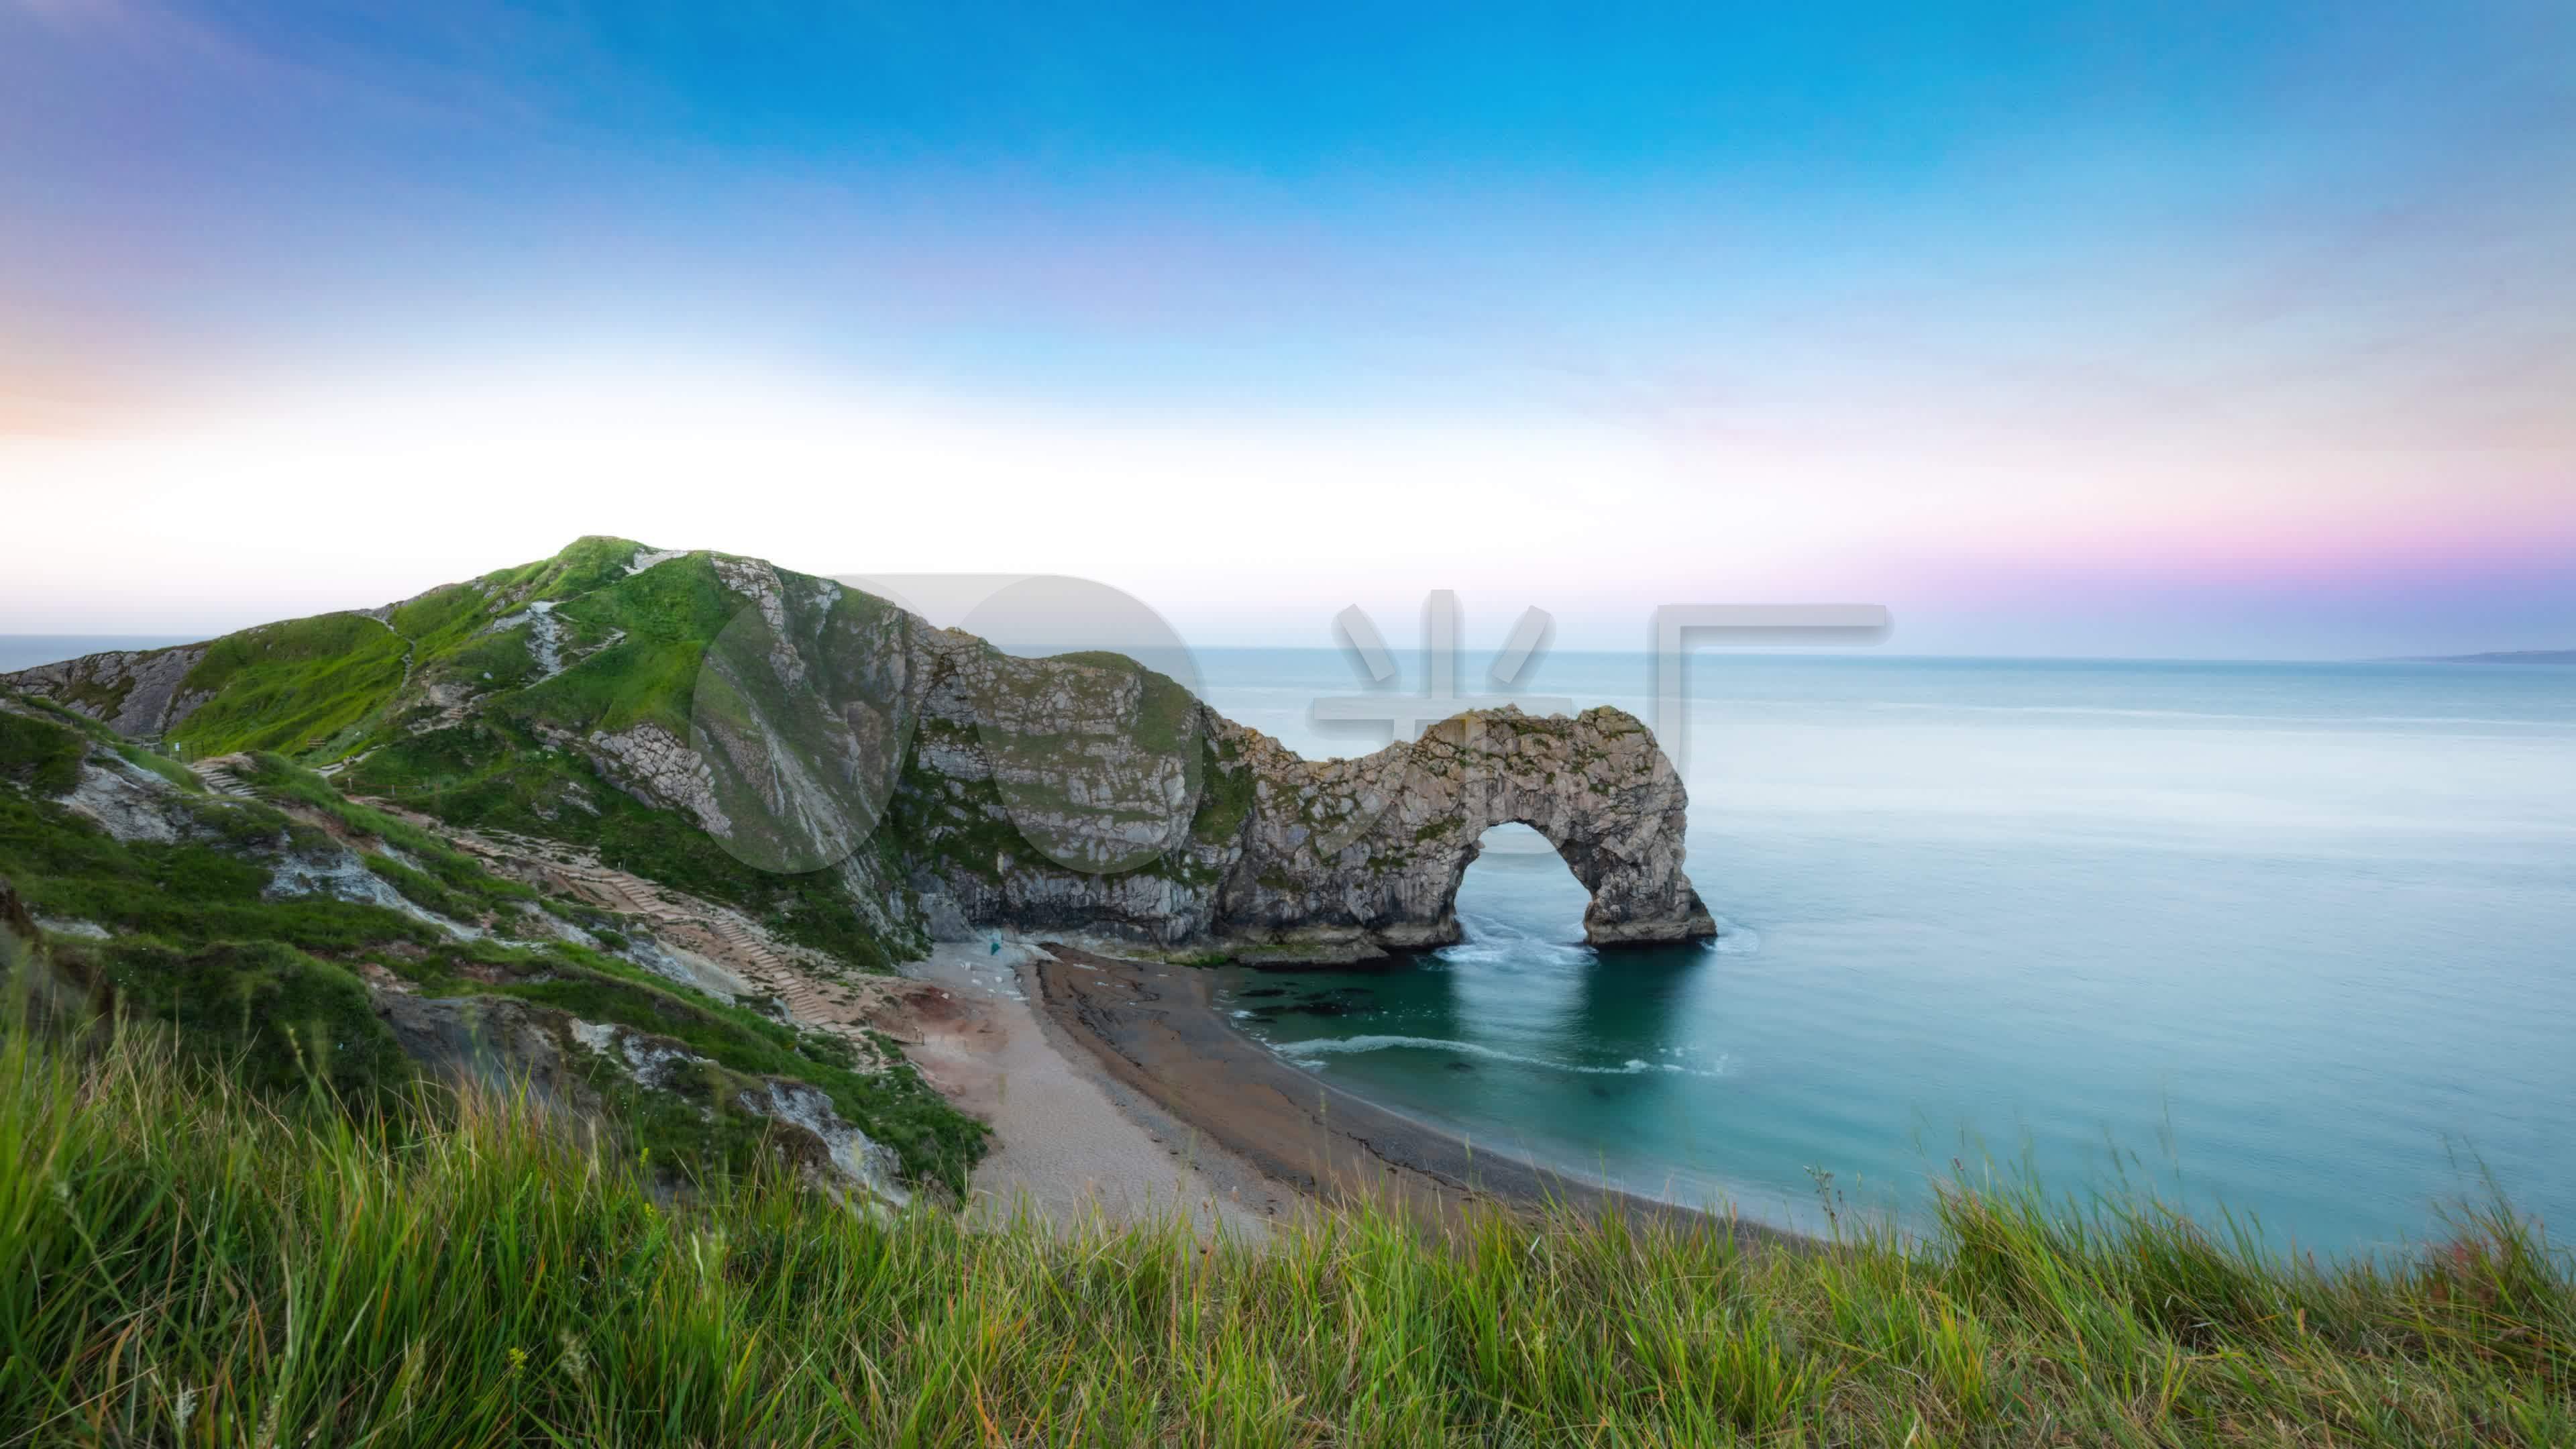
[
  {"x": 2295, "y": 938},
  {"x": 2298, "y": 939}
]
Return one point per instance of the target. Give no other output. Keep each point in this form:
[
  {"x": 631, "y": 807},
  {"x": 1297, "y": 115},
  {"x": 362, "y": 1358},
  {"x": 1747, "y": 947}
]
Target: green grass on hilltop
[
  {"x": 318, "y": 688},
  {"x": 194, "y": 1265},
  {"x": 285, "y": 686},
  {"x": 589, "y": 562},
  {"x": 668, "y": 615}
]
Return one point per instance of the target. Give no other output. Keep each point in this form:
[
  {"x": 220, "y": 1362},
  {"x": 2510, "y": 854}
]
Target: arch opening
[{"x": 1516, "y": 887}]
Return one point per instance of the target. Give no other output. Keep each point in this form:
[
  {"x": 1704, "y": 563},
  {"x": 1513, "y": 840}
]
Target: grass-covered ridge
[
  {"x": 194, "y": 1266},
  {"x": 298, "y": 685},
  {"x": 443, "y": 705},
  {"x": 326, "y": 687},
  {"x": 197, "y": 937},
  {"x": 661, "y": 622}
]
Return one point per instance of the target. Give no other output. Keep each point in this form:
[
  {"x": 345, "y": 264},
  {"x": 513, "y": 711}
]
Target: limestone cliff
[
  {"x": 143, "y": 694},
  {"x": 1373, "y": 849},
  {"x": 1086, "y": 792},
  {"x": 933, "y": 783}
]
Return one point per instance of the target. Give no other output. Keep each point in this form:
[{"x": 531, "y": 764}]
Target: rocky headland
[
  {"x": 728, "y": 858},
  {"x": 949, "y": 787}
]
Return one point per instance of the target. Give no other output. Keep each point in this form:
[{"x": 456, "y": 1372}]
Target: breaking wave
[{"x": 1348, "y": 1046}]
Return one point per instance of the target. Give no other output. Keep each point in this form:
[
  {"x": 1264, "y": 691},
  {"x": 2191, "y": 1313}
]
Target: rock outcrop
[
  {"x": 140, "y": 694},
  {"x": 1084, "y": 792},
  {"x": 952, "y": 786},
  {"x": 1372, "y": 850}
]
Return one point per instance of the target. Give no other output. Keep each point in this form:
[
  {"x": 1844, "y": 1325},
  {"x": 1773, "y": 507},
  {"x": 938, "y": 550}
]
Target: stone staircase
[
  {"x": 222, "y": 774},
  {"x": 333, "y": 769}
]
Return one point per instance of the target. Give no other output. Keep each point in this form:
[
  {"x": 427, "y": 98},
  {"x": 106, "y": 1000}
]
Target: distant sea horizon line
[{"x": 20, "y": 651}]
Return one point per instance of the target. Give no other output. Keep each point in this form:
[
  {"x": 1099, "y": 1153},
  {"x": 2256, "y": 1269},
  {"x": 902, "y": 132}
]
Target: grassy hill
[
  {"x": 456, "y": 704},
  {"x": 280, "y": 933},
  {"x": 323, "y": 1128}
]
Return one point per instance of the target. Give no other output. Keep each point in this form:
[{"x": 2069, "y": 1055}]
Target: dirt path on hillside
[{"x": 1071, "y": 1145}]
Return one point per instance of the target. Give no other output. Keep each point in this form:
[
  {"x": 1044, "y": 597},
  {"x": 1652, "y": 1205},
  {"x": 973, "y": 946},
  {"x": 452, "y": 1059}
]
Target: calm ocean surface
[{"x": 2299, "y": 939}]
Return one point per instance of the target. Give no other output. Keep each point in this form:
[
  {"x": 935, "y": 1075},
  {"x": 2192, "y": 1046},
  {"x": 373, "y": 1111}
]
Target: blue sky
[{"x": 2120, "y": 329}]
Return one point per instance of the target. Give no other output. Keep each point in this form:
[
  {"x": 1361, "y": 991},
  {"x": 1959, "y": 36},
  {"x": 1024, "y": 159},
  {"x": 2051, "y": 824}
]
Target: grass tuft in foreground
[{"x": 194, "y": 1263}]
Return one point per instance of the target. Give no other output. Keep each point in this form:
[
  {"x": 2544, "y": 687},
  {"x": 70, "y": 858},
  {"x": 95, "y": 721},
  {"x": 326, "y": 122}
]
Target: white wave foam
[
  {"x": 1736, "y": 941},
  {"x": 1491, "y": 940},
  {"x": 1350, "y": 1046}
]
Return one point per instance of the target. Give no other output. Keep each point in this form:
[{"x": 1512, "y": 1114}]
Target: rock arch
[
  {"x": 1365, "y": 856},
  {"x": 1087, "y": 793}
]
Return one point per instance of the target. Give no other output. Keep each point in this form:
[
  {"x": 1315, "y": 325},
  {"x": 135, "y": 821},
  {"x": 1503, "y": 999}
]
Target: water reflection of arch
[
  {"x": 1517, "y": 974},
  {"x": 1523, "y": 968}
]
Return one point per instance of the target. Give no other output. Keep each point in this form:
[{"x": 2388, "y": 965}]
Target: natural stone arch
[
  {"x": 1595, "y": 786},
  {"x": 1211, "y": 833}
]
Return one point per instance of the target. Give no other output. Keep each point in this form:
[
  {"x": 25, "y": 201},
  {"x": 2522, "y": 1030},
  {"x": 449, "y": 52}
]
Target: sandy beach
[
  {"x": 1153, "y": 1029},
  {"x": 1117, "y": 1092},
  {"x": 1071, "y": 1143}
]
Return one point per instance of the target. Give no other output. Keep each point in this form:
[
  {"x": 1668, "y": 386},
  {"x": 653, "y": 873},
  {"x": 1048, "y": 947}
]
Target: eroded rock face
[
  {"x": 137, "y": 694},
  {"x": 131, "y": 803},
  {"x": 1371, "y": 851},
  {"x": 1085, "y": 793},
  {"x": 661, "y": 769},
  {"x": 495, "y": 1043}
]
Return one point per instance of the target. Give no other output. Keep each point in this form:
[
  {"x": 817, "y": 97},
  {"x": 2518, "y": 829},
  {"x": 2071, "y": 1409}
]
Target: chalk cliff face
[
  {"x": 950, "y": 786},
  {"x": 1085, "y": 792}
]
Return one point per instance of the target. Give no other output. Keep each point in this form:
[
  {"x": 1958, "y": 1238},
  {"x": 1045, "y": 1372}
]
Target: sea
[{"x": 2290, "y": 947}]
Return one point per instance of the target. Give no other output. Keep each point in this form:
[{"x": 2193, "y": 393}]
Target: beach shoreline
[
  {"x": 1072, "y": 1147},
  {"x": 1153, "y": 1029}
]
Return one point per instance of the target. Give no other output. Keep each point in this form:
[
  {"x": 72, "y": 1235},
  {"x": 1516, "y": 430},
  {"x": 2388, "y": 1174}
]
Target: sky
[{"x": 2174, "y": 330}]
